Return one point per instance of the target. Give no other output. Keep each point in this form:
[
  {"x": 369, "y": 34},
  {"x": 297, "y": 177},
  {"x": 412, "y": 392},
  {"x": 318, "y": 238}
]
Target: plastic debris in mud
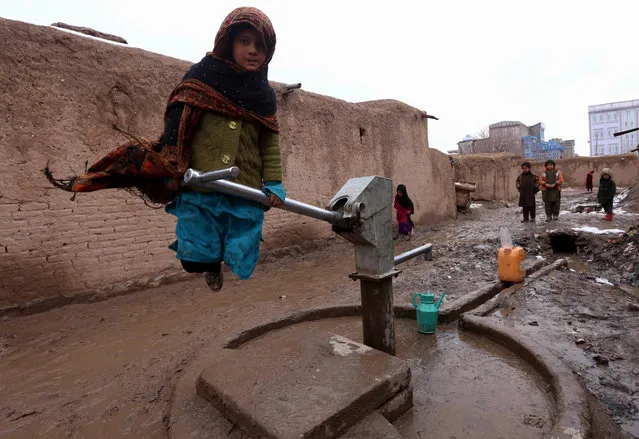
[{"x": 509, "y": 259}]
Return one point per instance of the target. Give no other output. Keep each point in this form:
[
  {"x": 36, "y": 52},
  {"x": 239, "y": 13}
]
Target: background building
[
  {"x": 540, "y": 150},
  {"x": 607, "y": 119},
  {"x": 517, "y": 138}
]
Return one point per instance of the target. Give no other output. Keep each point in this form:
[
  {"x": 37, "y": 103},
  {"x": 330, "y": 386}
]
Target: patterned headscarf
[
  {"x": 245, "y": 15},
  {"x": 215, "y": 84}
]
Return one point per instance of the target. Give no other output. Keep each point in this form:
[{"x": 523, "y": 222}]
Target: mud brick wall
[
  {"x": 625, "y": 168},
  {"x": 61, "y": 94},
  {"x": 495, "y": 174}
]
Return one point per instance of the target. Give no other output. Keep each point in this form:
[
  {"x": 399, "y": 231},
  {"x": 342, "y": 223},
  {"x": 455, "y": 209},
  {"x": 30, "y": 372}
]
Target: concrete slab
[
  {"x": 285, "y": 386},
  {"x": 374, "y": 426}
]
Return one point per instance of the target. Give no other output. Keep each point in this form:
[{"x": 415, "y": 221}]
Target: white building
[{"x": 607, "y": 119}]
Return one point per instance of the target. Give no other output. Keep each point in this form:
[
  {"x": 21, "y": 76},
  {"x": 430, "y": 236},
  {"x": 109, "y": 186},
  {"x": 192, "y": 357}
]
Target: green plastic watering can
[{"x": 427, "y": 311}]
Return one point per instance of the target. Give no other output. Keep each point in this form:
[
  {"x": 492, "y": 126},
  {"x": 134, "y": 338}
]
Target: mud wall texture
[
  {"x": 61, "y": 95},
  {"x": 625, "y": 168},
  {"x": 495, "y": 174}
]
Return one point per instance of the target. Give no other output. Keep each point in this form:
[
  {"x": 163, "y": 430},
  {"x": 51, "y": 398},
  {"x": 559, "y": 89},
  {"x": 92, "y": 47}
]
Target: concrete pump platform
[{"x": 289, "y": 387}]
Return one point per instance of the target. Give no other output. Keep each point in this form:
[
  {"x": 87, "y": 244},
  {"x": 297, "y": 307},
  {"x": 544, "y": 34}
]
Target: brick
[
  {"x": 96, "y": 217},
  {"x": 68, "y": 222},
  {"x": 9, "y": 207},
  {"x": 134, "y": 254},
  {"x": 61, "y": 257},
  {"x": 112, "y": 243},
  {"x": 116, "y": 208},
  {"x": 33, "y": 205},
  {"x": 13, "y": 274},
  {"x": 115, "y": 250},
  {"x": 109, "y": 258},
  {"x": 103, "y": 231},
  {"x": 60, "y": 213},
  {"x": 38, "y": 230},
  {"x": 124, "y": 224},
  {"x": 79, "y": 238},
  {"x": 85, "y": 211},
  {"x": 143, "y": 239},
  {"x": 53, "y": 247},
  {"x": 62, "y": 204},
  {"x": 26, "y": 215},
  {"x": 24, "y": 244},
  {"x": 139, "y": 226},
  {"x": 99, "y": 224},
  {"x": 58, "y": 265},
  {"x": 89, "y": 254}
]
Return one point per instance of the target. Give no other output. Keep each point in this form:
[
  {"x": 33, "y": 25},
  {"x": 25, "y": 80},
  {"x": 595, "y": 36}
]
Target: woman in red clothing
[
  {"x": 404, "y": 207},
  {"x": 589, "y": 181}
]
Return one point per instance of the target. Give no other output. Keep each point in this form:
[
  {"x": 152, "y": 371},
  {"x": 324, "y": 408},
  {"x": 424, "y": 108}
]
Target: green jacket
[
  {"x": 221, "y": 142},
  {"x": 607, "y": 190}
]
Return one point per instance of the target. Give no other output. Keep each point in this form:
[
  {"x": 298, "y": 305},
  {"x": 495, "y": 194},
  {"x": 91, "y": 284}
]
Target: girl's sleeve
[
  {"x": 172, "y": 125},
  {"x": 276, "y": 188},
  {"x": 271, "y": 156}
]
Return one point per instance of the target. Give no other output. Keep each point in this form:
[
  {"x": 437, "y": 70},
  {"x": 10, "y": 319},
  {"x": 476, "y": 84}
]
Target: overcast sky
[{"x": 468, "y": 62}]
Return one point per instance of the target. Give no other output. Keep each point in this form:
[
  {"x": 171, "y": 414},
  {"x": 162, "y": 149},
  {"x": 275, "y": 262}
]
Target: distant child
[
  {"x": 528, "y": 186},
  {"x": 222, "y": 114},
  {"x": 550, "y": 182},
  {"x": 606, "y": 192},
  {"x": 404, "y": 207},
  {"x": 589, "y": 179}
]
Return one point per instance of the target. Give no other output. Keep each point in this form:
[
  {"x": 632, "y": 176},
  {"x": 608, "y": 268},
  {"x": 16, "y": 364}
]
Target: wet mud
[
  {"x": 108, "y": 369},
  {"x": 590, "y": 327},
  {"x": 464, "y": 385}
]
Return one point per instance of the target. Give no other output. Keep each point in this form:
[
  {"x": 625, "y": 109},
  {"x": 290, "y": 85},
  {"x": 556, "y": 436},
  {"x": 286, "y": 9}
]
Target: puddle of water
[
  {"x": 464, "y": 386},
  {"x": 468, "y": 387}
]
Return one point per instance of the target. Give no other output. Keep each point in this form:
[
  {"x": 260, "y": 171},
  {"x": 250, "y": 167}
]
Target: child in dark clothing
[
  {"x": 606, "y": 192},
  {"x": 528, "y": 186},
  {"x": 404, "y": 207},
  {"x": 589, "y": 179}
]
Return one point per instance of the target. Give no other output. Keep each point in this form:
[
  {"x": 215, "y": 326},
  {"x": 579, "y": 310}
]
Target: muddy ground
[{"x": 108, "y": 369}]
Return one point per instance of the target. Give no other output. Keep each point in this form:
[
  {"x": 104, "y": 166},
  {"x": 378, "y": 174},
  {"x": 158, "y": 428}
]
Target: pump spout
[{"x": 439, "y": 302}]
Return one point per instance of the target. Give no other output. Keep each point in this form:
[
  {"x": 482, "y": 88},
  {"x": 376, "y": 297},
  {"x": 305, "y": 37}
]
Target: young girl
[
  {"x": 404, "y": 207},
  {"x": 606, "y": 192},
  {"x": 222, "y": 114}
]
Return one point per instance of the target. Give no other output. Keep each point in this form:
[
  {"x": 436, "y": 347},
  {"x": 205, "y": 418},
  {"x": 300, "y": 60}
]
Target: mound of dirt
[
  {"x": 631, "y": 201},
  {"x": 618, "y": 257}
]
